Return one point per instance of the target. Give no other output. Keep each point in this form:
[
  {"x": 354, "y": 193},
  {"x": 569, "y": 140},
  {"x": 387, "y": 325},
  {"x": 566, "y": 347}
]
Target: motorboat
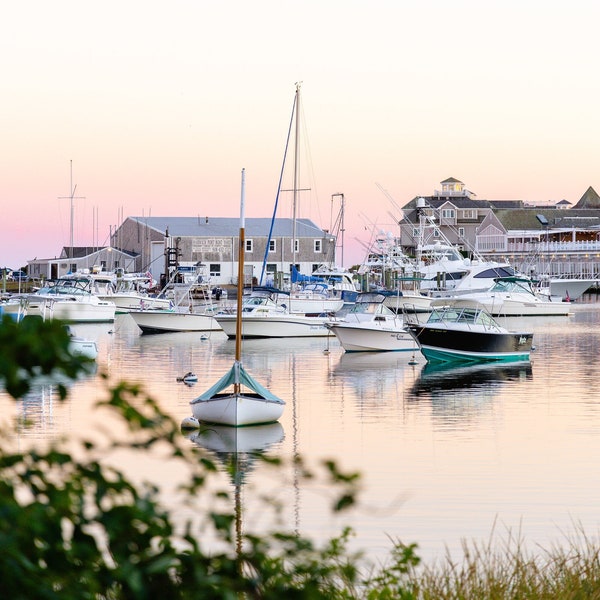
[
  {"x": 511, "y": 297},
  {"x": 80, "y": 346},
  {"x": 274, "y": 325},
  {"x": 565, "y": 289},
  {"x": 468, "y": 333},
  {"x": 71, "y": 300},
  {"x": 339, "y": 281},
  {"x": 407, "y": 297},
  {"x": 312, "y": 299},
  {"x": 128, "y": 291},
  {"x": 455, "y": 275},
  {"x": 264, "y": 316},
  {"x": 170, "y": 321},
  {"x": 370, "y": 326}
]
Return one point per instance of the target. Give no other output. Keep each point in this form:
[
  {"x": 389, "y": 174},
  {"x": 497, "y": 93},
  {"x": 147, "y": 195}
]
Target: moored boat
[
  {"x": 237, "y": 399},
  {"x": 169, "y": 321},
  {"x": 468, "y": 334},
  {"x": 370, "y": 326},
  {"x": 510, "y": 297}
]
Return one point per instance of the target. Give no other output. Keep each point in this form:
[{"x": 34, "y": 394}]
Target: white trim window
[
  {"x": 461, "y": 232},
  {"x": 249, "y": 245},
  {"x": 272, "y": 246},
  {"x": 295, "y": 244},
  {"x": 318, "y": 246}
]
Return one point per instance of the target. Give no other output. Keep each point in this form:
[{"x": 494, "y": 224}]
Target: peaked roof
[
  {"x": 84, "y": 251},
  {"x": 230, "y": 226},
  {"x": 451, "y": 180},
  {"x": 589, "y": 200},
  {"x": 526, "y": 218}
]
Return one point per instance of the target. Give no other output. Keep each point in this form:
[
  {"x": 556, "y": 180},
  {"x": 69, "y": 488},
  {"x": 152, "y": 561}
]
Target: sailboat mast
[
  {"x": 242, "y": 242},
  {"x": 296, "y": 159}
]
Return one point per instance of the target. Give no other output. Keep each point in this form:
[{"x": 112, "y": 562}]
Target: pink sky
[{"x": 160, "y": 106}]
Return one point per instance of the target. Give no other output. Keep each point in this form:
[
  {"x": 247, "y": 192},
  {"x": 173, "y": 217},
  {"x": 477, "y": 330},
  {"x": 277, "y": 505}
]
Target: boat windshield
[
  {"x": 474, "y": 316},
  {"x": 511, "y": 286}
]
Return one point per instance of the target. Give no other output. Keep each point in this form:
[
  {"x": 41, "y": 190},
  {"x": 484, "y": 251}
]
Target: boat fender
[{"x": 190, "y": 423}]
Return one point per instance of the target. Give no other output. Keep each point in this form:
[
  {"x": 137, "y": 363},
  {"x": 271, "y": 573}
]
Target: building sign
[{"x": 214, "y": 245}]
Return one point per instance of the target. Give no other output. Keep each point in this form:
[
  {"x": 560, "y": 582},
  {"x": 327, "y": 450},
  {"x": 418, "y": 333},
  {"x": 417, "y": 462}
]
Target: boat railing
[{"x": 468, "y": 316}]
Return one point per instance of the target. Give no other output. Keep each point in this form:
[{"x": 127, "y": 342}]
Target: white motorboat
[
  {"x": 127, "y": 291},
  {"x": 80, "y": 346},
  {"x": 407, "y": 297},
  {"x": 511, "y": 297},
  {"x": 263, "y": 316},
  {"x": 314, "y": 299},
  {"x": 371, "y": 326},
  {"x": 565, "y": 289},
  {"x": 274, "y": 325},
  {"x": 468, "y": 333},
  {"x": 169, "y": 321},
  {"x": 69, "y": 299},
  {"x": 340, "y": 282}
]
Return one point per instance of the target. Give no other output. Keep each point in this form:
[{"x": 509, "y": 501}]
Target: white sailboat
[{"x": 238, "y": 407}]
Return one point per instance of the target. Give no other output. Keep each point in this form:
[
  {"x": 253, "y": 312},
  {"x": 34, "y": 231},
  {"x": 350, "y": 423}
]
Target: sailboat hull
[{"x": 237, "y": 410}]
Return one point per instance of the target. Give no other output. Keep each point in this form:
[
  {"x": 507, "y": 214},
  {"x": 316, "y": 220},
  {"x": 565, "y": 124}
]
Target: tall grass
[{"x": 499, "y": 571}]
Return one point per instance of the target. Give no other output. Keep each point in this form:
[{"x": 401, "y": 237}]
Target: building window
[
  {"x": 415, "y": 232},
  {"x": 448, "y": 213},
  {"x": 436, "y": 232},
  {"x": 272, "y": 246},
  {"x": 117, "y": 264},
  {"x": 248, "y": 245},
  {"x": 215, "y": 270},
  {"x": 295, "y": 245},
  {"x": 318, "y": 246},
  {"x": 73, "y": 268},
  {"x": 469, "y": 214},
  {"x": 461, "y": 232}
]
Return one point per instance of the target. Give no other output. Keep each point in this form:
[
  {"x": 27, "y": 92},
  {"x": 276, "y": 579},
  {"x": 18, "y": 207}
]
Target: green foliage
[
  {"x": 33, "y": 348},
  {"x": 72, "y": 526}
]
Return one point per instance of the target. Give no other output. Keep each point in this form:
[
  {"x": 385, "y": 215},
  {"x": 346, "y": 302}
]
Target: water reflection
[
  {"x": 238, "y": 449},
  {"x": 439, "y": 379},
  {"x": 376, "y": 375}
]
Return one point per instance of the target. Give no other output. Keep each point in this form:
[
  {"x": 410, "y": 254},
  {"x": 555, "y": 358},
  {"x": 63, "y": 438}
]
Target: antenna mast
[{"x": 72, "y": 197}]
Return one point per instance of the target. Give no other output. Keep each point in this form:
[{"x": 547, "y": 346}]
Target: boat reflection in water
[
  {"x": 441, "y": 378},
  {"x": 376, "y": 376},
  {"x": 223, "y": 439},
  {"x": 237, "y": 449}
]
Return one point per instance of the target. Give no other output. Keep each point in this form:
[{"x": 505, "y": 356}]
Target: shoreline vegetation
[{"x": 74, "y": 527}]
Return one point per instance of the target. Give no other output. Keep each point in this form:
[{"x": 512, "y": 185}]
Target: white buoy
[{"x": 190, "y": 423}]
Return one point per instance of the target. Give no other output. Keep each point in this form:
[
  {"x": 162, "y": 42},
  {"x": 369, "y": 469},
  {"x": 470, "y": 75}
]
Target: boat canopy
[
  {"x": 299, "y": 277},
  {"x": 238, "y": 375}
]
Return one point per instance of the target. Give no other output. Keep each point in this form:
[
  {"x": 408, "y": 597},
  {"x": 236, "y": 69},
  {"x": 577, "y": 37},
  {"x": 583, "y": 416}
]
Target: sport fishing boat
[{"x": 468, "y": 334}]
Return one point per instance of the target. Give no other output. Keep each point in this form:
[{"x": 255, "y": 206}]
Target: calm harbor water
[{"x": 445, "y": 455}]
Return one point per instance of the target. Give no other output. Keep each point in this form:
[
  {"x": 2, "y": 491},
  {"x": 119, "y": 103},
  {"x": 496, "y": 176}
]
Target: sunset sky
[{"x": 159, "y": 105}]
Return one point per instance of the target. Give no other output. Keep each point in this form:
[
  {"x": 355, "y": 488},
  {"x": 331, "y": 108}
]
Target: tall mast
[
  {"x": 296, "y": 159},
  {"x": 240, "y": 285}
]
